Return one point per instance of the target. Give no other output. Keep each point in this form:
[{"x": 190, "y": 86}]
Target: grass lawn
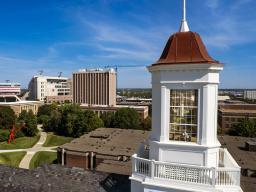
[
  {"x": 12, "y": 159},
  {"x": 56, "y": 140},
  {"x": 43, "y": 157},
  {"x": 21, "y": 143}
]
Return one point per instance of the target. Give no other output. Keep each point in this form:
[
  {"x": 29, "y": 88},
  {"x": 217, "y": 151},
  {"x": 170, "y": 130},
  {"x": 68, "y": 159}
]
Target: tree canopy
[
  {"x": 7, "y": 117},
  {"x": 71, "y": 120},
  {"x": 45, "y": 111},
  {"x": 30, "y": 123},
  {"x": 246, "y": 128},
  {"x": 126, "y": 118}
]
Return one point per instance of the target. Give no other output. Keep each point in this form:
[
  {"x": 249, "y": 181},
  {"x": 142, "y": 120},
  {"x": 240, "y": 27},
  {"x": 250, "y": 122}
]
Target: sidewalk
[{"x": 33, "y": 150}]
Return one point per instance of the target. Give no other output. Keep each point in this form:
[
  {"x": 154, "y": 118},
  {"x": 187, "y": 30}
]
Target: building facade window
[{"x": 183, "y": 115}]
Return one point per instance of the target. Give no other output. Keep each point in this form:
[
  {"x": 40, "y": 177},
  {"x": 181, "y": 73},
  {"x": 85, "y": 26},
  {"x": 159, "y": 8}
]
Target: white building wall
[
  {"x": 42, "y": 86},
  {"x": 250, "y": 94},
  {"x": 205, "y": 79}
]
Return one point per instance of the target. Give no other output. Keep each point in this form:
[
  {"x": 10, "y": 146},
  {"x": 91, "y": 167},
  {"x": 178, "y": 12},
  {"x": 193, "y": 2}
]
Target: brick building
[
  {"x": 105, "y": 149},
  {"x": 231, "y": 114},
  {"x": 100, "y": 109},
  {"x": 59, "y": 99}
]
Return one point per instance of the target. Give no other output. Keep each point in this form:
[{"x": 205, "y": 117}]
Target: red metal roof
[{"x": 185, "y": 48}]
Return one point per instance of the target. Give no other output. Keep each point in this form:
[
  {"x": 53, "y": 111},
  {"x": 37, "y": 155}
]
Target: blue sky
[{"x": 67, "y": 35}]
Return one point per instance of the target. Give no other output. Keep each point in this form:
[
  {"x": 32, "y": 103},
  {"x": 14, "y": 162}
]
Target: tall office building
[
  {"x": 42, "y": 86},
  {"x": 94, "y": 87}
]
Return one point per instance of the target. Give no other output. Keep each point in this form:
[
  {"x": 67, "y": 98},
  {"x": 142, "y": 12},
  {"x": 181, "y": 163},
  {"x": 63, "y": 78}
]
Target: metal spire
[{"x": 184, "y": 25}]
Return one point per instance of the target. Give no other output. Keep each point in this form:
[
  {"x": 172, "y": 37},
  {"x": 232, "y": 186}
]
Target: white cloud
[
  {"x": 213, "y": 4},
  {"x": 229, "y": 29}
]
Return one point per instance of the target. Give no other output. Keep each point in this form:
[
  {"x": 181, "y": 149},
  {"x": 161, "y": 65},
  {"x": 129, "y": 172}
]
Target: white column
[
  {"x": 160, "y": 113},
  {"x": 164, "y": 137},
  {"x": 63, "y": 157},
  {"x": 92, "y": 160},
  {"x": 209, "y": 107},
  {"x": 87, "y": 160},
  {"x": 156, "y": 111}
]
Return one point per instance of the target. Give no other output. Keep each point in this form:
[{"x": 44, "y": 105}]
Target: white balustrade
[
  {"x": 228, "y": 174},
  {"x": 142, "y": 166},
  {"x": 184, "y": 173}
]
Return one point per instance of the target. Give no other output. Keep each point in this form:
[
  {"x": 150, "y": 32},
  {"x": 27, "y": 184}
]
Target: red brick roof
[{"x": 185, "y": 48}]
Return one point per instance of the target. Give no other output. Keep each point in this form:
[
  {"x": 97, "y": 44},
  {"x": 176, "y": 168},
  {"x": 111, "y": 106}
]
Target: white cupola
[
  {"x": 184, "y": 152},
  {"x": 184, "y": 103}
]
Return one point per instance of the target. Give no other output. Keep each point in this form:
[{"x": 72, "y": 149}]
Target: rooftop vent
[{"x": 99, "y": 135}]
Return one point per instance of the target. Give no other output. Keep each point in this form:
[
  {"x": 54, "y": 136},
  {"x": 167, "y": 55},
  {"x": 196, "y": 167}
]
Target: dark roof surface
[
  {"x": 109, "y": 141},
  {"x": 55, "y": 178},
  {"x": 185, "y": 48},
  {"x": 245, "y": 159}
]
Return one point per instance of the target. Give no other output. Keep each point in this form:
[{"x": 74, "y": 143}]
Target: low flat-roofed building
[
  {"x": 250, "y": 94},
  {"x": 58, "y": 99},
  {"x": 10, "y": 88},
  {"x": 223, "y": 98},
  {"x": 231, "y": 114},
  {"x": 99, "y": 109},
  {"x": 18, "y": 105},
  {"x": 245, "y": 158},
  {"x": 105, "y": 149}
]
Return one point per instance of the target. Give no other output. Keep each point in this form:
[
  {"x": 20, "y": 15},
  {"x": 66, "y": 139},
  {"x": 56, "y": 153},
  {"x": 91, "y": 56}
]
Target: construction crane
[
  {"x": 122, "y": 66},
  {"x": 60, "y": 74},
  {"x": 40, "y": 72}
]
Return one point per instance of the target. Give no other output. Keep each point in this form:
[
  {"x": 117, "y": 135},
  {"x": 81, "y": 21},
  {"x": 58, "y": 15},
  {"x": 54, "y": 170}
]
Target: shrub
[
  {"x": 4, "y": 135},
  {"x": 246, "y": 128}
]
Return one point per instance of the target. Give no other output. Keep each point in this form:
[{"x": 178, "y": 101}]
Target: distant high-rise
[
  {"x": 94, "y": 87},
  {"x": 250, "y": 94}
]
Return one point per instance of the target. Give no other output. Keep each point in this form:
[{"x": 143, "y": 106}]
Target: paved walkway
[{"x": 31, "y": 151}]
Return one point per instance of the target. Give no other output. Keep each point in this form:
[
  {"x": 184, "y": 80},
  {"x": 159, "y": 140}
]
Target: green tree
[
  {"x": 43, "y": 119},
  {"x": 53, "y": 121},
  {"x": 69, "y": 115},
  {"x": 146, "y": 124},
  {"x": 246, "y": 128},
  {"x": 108, "y": 119},
  {"x": 92, "y": 121},
  {"x": 45, "y": 110},
  {"x": 30, "y": 123},
  {"x": 23, "y": 116},
  {"x": 7, "y": 117},
  {"x": 127, "y": 118},
  {"x": 71, "y": 120},
  {"x": 75, "y": 122}
]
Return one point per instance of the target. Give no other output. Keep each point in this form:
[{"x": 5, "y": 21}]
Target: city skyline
[{"x": 65, "y": 36}]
